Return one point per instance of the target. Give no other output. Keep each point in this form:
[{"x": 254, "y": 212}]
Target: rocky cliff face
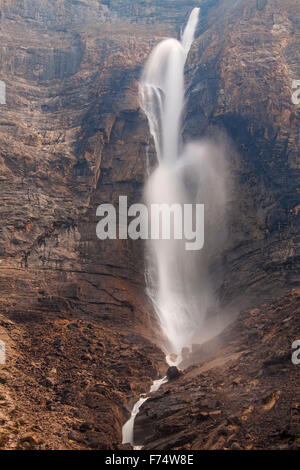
[
  {"x": 73, "y": 310},
  {"x": 242, "y": 69},
  {"x": 71, "y": 138}
]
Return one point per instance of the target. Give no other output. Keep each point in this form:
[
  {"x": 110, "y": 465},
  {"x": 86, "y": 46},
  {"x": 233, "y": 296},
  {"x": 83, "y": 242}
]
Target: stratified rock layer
[{"x": 74, "y": 316}]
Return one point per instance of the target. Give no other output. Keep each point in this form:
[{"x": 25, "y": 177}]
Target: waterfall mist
[{"x": 178, "y": 281}]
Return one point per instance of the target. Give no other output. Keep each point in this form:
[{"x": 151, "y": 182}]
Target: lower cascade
[
  {"x": 127, "y": 430},
  {"x": 187, "y": 175}
]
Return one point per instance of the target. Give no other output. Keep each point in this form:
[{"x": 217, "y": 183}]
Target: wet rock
[
  {"x": 173, "y": 373},
  {"x": 126, "y": 447},
  {"x": 86, "y": 426}
]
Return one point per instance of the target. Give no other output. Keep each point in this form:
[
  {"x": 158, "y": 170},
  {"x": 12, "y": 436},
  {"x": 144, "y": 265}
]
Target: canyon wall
[{"x": 78, "y": 327}]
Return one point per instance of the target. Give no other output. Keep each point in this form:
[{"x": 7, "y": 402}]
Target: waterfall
[
  {"x": 189, "y": 31},
  {"x": 178, "y": 281}
]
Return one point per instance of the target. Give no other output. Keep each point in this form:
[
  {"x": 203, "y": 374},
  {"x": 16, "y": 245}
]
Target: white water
[
  {"x": 189, "y": 31},
  {"x": 157, "y": 384},
  {"x": 179, "y": 284},
  {"x": 127, "y": 430}
]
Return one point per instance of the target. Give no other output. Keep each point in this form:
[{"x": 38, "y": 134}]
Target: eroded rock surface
[{"x": 74, "y": 316}]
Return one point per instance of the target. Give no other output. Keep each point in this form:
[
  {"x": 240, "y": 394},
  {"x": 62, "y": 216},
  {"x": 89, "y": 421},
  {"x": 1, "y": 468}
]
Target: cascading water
[
  {"x": 127, "y": 431},
  {"x": 178, "y": 281}
]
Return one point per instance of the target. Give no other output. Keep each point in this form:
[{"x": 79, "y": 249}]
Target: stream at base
[{"x": 127, "y": 430}]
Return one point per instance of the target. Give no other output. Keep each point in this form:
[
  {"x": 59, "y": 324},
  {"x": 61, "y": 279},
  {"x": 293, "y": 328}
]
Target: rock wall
[
  {"x": 72, "y": 136},
  {"x": 240, "y": 75}
]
